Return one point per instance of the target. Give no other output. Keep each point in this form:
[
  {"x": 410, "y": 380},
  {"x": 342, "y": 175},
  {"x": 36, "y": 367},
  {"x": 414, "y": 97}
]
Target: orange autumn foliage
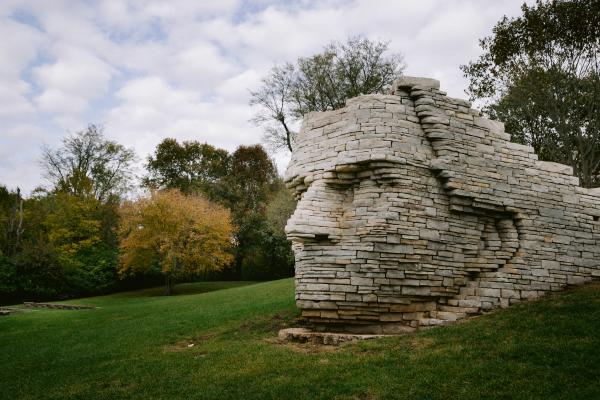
[{"x": 183, "y": 234}]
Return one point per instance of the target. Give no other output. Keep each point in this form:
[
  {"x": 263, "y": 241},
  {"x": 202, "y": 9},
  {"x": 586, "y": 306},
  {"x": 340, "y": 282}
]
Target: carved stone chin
[{"x": 414, "y": 210}]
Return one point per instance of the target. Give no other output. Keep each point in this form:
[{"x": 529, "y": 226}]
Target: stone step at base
[{"x": 303, "y": 335}]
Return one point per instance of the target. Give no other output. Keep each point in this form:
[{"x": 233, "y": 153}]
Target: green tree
[
  {"x": 8, "y": 279},
  {"x": 11, "y": 221},
  {"x": 74, "y": 226},
  {"x": 262, "y": 251},
  {"x": 250, "y": 181},
  {"x": 265, "y": 254},
  {"x": 38, "y": 272},
  {"x": 190, "y": 167},
  {"x": 277, "y": 248},
  {"x": 182, "y": 234},
  {"x": 319, "y": 83},
  {"x": 74, "y": 223},
  {"x": 280, "y": 208},
  {"x": 68, "y": 247},
  {"x": 89, "y": 164},
  {"x": 540, "y": 73},
  {"x": 11, "y": 237}
]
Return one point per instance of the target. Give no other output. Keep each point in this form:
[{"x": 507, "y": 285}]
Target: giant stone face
[{"x": 384, "y": 238}]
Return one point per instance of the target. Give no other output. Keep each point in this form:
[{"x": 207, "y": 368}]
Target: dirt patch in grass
[
  {"x": 421, "y": 343},
  {"x": 189, "y": 343},
  {"x": 249, "y": 327},
  {"x": 306, "y": 348},
  {"x": 268, "y": 325}
]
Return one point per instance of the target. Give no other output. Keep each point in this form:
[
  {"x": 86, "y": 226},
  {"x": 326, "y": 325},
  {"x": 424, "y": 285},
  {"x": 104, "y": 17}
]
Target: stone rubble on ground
[
  {"x": 415, "y": 211},
  {"x": 55, "y": 306},
  {"x": 303, "y": 335}
]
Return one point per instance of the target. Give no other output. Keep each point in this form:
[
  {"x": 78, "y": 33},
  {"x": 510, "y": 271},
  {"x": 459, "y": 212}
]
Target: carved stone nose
[
  {"x": 314, "y": 220},
  {"x": 305, "y": 233}
]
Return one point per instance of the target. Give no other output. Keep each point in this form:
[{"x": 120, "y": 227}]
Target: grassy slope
[{"x": 135, "y": 346}]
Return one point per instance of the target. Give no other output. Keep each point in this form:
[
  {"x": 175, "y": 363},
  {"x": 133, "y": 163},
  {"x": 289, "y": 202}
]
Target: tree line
[{"x": 207, "y": 213}]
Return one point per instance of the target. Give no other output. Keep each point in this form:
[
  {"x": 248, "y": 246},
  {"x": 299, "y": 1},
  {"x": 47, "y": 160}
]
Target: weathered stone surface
[
  {"x": 412, "y": 81},
  {"x": 303, "y": 335},
  {"x": 414, "y": 210}
]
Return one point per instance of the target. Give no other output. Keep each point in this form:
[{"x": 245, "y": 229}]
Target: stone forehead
[{"x": 370, "y": 128}]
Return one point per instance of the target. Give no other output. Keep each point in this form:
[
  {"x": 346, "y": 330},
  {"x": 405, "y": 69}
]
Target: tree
[
  {"x": 39, "y": 273},
  {"x": 74, "y": 226},
  {"x": 183, "y": 235},
  {"x": 11, "y": 220},
  {"x": 540, "y": 73},
  {"x": 264, "y": 251},
  {"x": 244, "y": 182},
  {"x": 249, "y": 184},
  {"x": 189, "y": 167},
  {"x": 319, "y": 83},
  {"x": 63, "y": 253},
  {"x": 8, "y": 282},
  {"x": 280, "y": 208},
  {"x": 11, "y": 234},
  {"x": 68, "y": 246},
  {"x": 87, "y": 163},
  {"x": 251, "y": 176}
]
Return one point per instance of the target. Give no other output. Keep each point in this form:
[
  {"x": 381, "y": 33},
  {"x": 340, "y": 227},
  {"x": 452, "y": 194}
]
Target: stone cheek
[{"x": 416, "y": 211}]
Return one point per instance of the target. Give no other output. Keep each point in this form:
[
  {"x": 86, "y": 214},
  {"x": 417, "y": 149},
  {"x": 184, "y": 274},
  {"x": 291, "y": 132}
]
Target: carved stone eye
[{"x": 340, "y": 184}]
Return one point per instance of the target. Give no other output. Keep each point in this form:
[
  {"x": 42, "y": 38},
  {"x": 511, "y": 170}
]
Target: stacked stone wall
[{"x": 414, "y": 210}]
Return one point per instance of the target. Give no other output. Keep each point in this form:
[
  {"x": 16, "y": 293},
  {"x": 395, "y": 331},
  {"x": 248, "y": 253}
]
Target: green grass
[{"x": 135, "y": 346}]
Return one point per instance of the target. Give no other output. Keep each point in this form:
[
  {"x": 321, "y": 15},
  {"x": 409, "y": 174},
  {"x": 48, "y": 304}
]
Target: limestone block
[{"x": 411, "y": 81}]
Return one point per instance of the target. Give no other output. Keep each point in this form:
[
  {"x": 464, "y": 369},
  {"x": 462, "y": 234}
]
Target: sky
[{"x": 147, "y": 70}]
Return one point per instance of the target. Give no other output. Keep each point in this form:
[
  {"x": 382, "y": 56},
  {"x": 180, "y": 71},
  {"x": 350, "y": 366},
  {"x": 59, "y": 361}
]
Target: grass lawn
[{"x": 136, "y": 346}]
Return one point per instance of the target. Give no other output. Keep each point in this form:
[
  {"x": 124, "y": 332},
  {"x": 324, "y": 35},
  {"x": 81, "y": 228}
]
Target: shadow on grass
[{"x": 184, "y": 289}]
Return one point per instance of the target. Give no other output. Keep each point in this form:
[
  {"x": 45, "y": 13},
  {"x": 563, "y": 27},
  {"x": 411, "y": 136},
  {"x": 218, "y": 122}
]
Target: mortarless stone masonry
[{"x": 414, "y": 210}]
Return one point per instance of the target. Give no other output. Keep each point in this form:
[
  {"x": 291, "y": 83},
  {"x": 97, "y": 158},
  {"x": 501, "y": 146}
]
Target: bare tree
[
  {"x": 89, "y": 164},
  {"x": 319, "y": 83},
  {"x": 276, "y": 113}
]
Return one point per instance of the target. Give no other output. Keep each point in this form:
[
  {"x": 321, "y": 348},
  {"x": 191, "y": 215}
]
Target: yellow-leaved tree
[{"x": 183, "y": 234}]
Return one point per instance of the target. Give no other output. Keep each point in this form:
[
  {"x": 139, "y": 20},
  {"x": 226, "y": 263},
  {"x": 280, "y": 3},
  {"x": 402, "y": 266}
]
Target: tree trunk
[
  {"x": 19, "y": 231},
  {"x": 168, "y": 285},
  {"x": 288, "y": 134}
]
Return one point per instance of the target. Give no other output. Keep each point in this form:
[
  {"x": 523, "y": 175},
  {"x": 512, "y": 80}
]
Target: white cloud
[
  {"x": 237, "y": 87},
  {"x": 16, "y": 54},
  {"x": 200, "y": 66},
  {"x": 150, "y": 110},
  {"x": 72, "y": 82},
  {"x": 13, "y": 99},
  {"x": 18, "y": 48},
  {"x": 17, "y": 167},
  {"x": 152, "y": 69}
]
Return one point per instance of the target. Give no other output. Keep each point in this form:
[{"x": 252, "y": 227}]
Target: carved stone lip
[
  {"x": 302, "y": 237},
  {"x": 298, "y": 236}
]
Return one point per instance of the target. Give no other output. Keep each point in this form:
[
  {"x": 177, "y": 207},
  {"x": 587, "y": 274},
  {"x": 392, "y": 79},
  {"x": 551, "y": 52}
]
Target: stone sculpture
[{"x": 414, "y": 210}]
